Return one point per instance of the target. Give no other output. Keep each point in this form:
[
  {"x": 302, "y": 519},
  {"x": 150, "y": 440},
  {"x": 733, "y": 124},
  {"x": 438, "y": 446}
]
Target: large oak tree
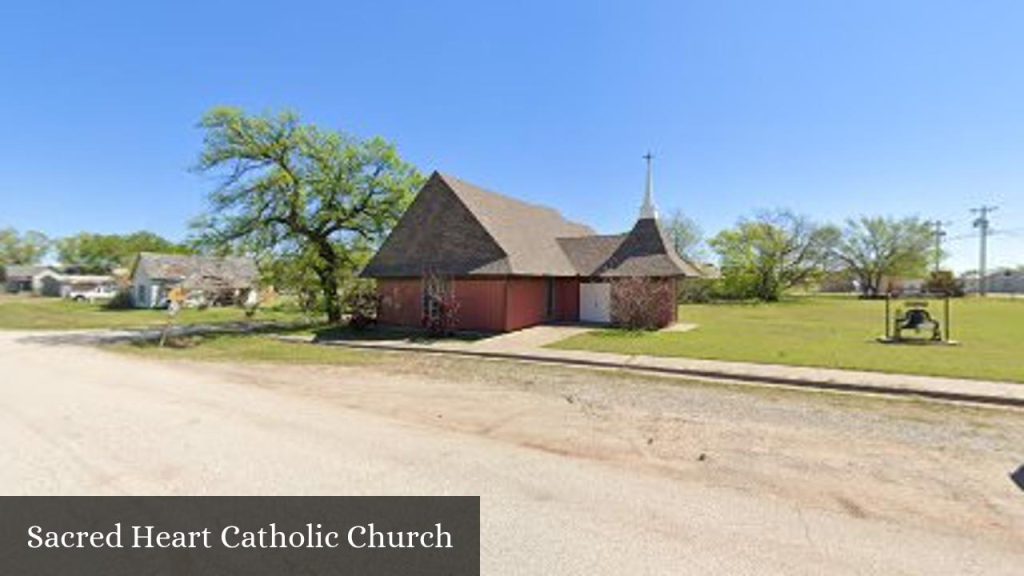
[
  {"x": 293, "y": 190},
  {"x": 875, "y": 247}
]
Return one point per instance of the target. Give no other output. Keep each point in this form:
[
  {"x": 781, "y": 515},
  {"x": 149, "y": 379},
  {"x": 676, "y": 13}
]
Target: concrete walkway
[{"x": 528, "y": 345}]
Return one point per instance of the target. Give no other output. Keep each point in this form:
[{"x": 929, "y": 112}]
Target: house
[
  {"x": 510, "y": 264},
  {"x": 219, "y": 280},
  {"x": 21, "y": 278},
  {"x": 64, "y": 285}
]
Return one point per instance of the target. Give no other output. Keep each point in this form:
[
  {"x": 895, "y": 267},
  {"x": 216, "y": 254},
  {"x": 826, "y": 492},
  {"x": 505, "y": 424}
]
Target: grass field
[
  {"x": 833, "y": 332},
  {"x": 247, "y": 349},
  {"x": 26, "y": 313}
]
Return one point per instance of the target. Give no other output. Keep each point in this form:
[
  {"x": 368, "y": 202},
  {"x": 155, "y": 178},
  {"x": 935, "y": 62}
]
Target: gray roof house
[
  {"x": 153, "y": 276},
  {"x": 512, "y": 263},
  {"x": 25, "y": 278}
]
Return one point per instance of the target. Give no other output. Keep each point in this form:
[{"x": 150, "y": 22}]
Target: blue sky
[{"x": 833, "y": 109}]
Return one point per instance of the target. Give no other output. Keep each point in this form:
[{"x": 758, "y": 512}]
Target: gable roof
[
  {"x": 456, "y": 228},
  {"x": 439, "y": 234},
  {"x": 21, "y": 271},
  {"x": 453, "y": 227},
  {"x": 196, "y": 270},
  {"x": 527, "y": 233},
  {"x": 588, "y": 253},
  {"x": 83, "y": 278}
]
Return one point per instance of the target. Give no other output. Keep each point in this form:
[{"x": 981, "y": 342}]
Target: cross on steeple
[{"x": 647, "y": 210}]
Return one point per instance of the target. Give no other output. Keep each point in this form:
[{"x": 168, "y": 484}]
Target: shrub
[
  {"x": 642, "y": 303},
  {"x": 361, "y": 303},
  {"x": 697, "y": 290},
  {"x": 123, "y": 300},
  {"x": 439, "y": 305},
  {"x": 736, "y": 284}
]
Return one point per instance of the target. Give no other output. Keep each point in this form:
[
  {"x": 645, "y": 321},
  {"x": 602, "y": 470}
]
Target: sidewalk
[{"x": 527, "y": 345}]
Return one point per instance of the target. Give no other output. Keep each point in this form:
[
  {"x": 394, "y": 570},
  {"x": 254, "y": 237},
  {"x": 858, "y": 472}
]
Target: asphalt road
[{"x": 75, "y": 420}]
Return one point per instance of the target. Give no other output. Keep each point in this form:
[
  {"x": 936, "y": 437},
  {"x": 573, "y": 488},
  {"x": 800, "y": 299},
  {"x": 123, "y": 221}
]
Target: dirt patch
[{"x": 912, "y": 463}]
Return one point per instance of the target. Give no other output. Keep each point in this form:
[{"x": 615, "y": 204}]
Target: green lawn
[
  {"x": 834, "y": 332},
  {"x": 245, "y": 348},
  {"x": 25, "y": 313}
]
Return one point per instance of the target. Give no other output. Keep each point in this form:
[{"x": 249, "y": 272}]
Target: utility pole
[
  {"x": 981, "y": 223},
  {"x": 939, "y": 233}
]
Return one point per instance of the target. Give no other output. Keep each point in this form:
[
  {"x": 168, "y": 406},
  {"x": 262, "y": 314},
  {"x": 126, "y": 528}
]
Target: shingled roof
[
  {"x": 453, "y": 227},
  {"x": 646, "y": 251},
  {"x": 456, "y": 228},
  {"x": 198, "y": 271},
  {"x": 25, "y": 272},
  {"x": 528, "y": 233},
  {"x": 589, "y": 253}
]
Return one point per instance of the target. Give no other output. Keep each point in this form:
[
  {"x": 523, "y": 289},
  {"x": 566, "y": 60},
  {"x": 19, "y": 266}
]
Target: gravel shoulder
[{"x": 939, "y": 467}]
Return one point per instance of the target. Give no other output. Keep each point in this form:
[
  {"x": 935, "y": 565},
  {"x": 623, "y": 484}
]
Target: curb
[{"x": 829, "y": 385}]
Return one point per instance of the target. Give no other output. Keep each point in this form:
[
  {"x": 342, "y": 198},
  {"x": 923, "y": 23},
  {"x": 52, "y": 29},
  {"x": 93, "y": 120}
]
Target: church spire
[{"x": 647, "y": 210}]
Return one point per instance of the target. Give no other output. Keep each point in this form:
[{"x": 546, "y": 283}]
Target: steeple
[{"x": 647, "y": 210}]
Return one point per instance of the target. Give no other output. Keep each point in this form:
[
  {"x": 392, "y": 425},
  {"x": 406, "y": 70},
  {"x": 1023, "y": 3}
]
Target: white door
[{"x": 596, "y": 302}]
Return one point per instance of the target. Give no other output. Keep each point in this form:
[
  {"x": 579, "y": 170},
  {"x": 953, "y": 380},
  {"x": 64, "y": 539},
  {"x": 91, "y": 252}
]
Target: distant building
[
  {"x": 26, "y": 279},
  {"x": 897, "y": 286},
  {"x": 903, "y": 286},
  {"x": 218, "y": 280},
  {"x": 52, "y": 282},
  {"x": 999, "y": 282},
  {"x": 838, "y": 282},
  {"x": 68, "y": 285}
]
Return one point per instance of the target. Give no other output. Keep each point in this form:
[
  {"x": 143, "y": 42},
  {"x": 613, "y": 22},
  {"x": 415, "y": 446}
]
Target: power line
[
  {"x": 1007, "y": 232},
  {"x": 982, "y": 224},
  {"x": 960, "y": 237}
]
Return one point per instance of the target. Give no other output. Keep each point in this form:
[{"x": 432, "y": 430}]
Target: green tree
[
  {"x": 873, "y": 248},
  {"x": 293, "y": 190},
  {"x": 777, "y": 250},
  {"x": 293, "y": 273},
  {"x": 101, "y": 253},
  {"x": 686, "y": 235},
  {"x": 27, "y": 248}
]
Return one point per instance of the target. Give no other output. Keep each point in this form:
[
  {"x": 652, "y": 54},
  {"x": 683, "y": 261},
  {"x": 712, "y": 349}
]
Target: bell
[{"x": 916, "y": 319}]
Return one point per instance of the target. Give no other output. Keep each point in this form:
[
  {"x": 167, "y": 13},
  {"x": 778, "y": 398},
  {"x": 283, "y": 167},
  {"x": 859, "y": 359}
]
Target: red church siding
[
  {"x": 527, "y": 302},
  {"x": 401, "y": 301},
  {"x": 567, "y": 299},
  {"x": 485, "y": 304},
  {"x": 481, "y": 304}
]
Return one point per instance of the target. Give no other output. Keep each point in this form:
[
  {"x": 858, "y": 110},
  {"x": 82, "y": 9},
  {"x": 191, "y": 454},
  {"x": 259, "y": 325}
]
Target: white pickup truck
[{"x": 93, "y": 294}]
